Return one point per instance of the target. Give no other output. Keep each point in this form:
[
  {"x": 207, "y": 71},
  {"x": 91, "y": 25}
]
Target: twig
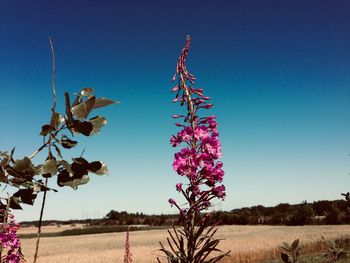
[
  {"x": 40, "y": 224},
  {"x": 46, "y": 143},
  {"x": 53, "y": 77}
]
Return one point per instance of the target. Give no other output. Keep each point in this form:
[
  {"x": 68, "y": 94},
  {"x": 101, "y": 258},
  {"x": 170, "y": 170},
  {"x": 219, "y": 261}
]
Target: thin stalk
[
  {"x": 40, "y": 224},
  {"x": 48, "y": 143},
  {"x": 191, "y": 241}
]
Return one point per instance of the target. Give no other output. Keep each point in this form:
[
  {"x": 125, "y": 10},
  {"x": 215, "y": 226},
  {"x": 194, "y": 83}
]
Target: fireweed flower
[
  {"x": 10, "y": 246},
  {"x": 197, "y": 161}
]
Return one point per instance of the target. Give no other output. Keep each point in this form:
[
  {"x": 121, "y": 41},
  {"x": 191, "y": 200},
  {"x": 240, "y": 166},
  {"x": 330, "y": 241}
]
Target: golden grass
[
  {"x": 49, "y": 229},
  {"x": 247, "y": 243}
]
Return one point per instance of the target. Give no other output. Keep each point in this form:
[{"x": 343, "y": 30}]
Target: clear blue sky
[{"x": 278, "y": 73}]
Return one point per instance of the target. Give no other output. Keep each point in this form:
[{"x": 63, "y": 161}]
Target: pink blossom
[
  {"x": 9, "y": 240},
  {"x": 219, "y": 191},
  {"x": 171, "y": 201},
  {"x": 212, "y": 146},
  {"x": 184, "y": 163},
  {"x": 175, "y": 141},
  {"x": 179, "y": 187},
  {"x": 186, "y": 134},
  {"x": 212, "y": 124},
  {"x": 201, "y": 132}
]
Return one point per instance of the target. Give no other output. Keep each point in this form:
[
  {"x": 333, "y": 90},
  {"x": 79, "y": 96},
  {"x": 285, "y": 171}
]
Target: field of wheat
[{"x": 247, "y": 243}]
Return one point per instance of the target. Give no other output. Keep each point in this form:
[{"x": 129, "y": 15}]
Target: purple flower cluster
[
  {"x": 9, "y": 241},
  {"x": 198, "y": 159}
]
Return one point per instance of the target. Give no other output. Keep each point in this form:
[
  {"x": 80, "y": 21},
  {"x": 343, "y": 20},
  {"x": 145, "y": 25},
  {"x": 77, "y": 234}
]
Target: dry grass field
[
  {"x": 49, "y": 229},
  {"x": 247, "y": 243}
]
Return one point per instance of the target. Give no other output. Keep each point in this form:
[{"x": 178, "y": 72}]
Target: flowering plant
[
  {"x": 197, "y": 161},
  {"x": 9, "y": 241}
]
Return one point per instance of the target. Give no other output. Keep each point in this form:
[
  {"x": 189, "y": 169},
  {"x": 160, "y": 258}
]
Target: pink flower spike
[{"x": 176, "y": 88}]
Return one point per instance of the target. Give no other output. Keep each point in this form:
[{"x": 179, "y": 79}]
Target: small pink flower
[
  {"x": 201, "y": 132},
  {"x": 219, "y": 191},
  {"x": 179, "y": 187},
  {"x": 175, "y": 141},
  {"x": 171, "y": 201},
  {"x": 186, "y": 134}
]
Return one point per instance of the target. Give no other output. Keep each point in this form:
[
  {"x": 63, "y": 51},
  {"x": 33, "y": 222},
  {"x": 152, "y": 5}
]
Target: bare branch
[{"x": 53, "y": 75}]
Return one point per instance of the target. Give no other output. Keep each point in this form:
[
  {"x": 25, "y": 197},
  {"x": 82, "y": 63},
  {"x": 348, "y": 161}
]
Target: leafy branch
[{"x": 28, "y": 179}]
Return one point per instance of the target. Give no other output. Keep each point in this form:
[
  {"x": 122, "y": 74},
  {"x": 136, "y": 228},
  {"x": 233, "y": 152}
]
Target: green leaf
[
  {"x": 76, "y": 182},
  {"x": 46, "y": 129},
  {"x": 3, "y": 178},
  {"x": 284, "y": 258},
  {"x": 286, "y": 246},
  {"x": 56, "y": 119},
  {"x": 24, "y": 165},
  {"x": 40, "y": 187},
  {"x": 102, "y": 102},
  {"x": 98, "y": 167},
  {"x": 67, "y": 143},
  {"x": 12, "y": 153},
  {"x": 66, "y": 166},
  {"x": 26, "y": 196},
  {"x": 97, "y": 123},
  {"x": 49, "y": 167},
  {"x": 68, "y": 111},
  {"x": 295, "y": 244},
  {"x": 83, "y": 109},
  {"x": 14, "y": 203},
  {"x": 86, "y": 92},
  {"x": 84, "y": 127}
]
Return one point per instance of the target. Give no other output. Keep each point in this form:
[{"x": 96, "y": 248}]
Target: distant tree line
[
  {"x": 316, "y": 213},
  {"x": 125, "y": 218}
]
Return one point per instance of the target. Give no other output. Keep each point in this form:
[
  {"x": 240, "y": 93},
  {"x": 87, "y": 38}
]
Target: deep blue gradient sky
[{"x": 278, "y": 73}]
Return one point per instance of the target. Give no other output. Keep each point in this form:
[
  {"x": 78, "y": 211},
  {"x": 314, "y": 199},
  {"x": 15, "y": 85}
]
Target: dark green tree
[{"x": 303, "y": 215}]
